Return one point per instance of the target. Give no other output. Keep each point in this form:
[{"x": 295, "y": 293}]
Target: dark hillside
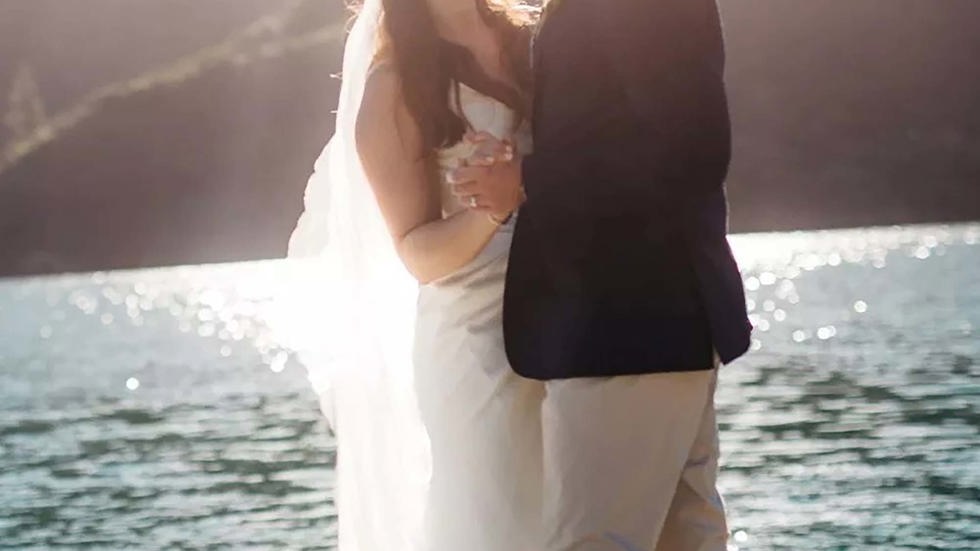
[{"x": 846, "y": 113}]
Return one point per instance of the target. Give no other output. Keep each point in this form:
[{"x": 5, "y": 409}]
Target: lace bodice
[{"x": 487, "y": 114}]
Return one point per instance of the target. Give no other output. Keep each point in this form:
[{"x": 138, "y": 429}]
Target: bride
[{"x": 438, "y": 439}]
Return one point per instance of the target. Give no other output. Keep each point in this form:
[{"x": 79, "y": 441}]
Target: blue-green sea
[{"x": 160, "y": 409}]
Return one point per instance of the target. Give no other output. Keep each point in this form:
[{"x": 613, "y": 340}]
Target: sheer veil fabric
[{"x": 349, "y": 308}]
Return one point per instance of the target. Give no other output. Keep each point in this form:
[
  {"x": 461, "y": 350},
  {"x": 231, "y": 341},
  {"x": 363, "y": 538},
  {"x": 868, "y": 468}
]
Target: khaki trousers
[{"x": 630, "y": 464}]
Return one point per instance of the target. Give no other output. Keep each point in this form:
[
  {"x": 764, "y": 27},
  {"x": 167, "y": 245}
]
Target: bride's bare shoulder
[
  {"x": 383, "y": 61},
  {"x": 382, "y": 76},
  {"x": 382, "y": 89},
  {"x": 383, "y": 108},
  {"x": 382, "y": 94}
]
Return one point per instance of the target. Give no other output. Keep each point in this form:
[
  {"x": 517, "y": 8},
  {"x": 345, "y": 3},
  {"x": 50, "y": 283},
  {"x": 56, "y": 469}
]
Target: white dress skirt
[{"x": 483, "y": 421}]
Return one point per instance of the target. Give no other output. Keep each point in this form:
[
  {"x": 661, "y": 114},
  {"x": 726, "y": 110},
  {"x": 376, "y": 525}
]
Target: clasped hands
[{"x": 489, "y": 180}]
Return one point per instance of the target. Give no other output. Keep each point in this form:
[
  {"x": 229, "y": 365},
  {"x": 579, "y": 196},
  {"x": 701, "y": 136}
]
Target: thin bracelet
[{"x": 497, "y": 221}]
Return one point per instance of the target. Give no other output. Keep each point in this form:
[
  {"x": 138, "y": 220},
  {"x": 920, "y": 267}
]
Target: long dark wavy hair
[{"x": 431, "y": 69}]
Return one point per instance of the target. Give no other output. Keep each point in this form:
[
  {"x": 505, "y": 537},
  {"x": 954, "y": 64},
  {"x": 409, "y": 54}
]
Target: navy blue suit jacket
[{"x": 620, "y": 263}]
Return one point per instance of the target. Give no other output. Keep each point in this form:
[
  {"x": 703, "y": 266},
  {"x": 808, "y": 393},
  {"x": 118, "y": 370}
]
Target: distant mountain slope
[
  {"x": 852, "y": 112},
  {"x": 204, "y": 160},
  {"x": 75, "y": 46},
  {"x": 846, "y": 113}
]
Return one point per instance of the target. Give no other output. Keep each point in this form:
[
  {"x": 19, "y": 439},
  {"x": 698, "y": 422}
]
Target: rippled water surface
[{"x": 156, "y": 409}]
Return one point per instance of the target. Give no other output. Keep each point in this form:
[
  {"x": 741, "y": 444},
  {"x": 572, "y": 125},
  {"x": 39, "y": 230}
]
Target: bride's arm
[{"x": 389, "y": 144}]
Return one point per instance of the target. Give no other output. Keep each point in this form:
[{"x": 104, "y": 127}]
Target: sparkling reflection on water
[{"x": 156, "y": 409}]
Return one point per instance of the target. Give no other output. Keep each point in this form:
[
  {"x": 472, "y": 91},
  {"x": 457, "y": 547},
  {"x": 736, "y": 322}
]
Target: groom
[{"x": 622, "y": 292}]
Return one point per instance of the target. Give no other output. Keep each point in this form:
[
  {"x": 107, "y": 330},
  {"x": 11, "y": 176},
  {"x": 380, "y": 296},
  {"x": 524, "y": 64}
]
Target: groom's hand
[
  {"x": 495, "y": 189},
  {"x": 490, "y": 179}
]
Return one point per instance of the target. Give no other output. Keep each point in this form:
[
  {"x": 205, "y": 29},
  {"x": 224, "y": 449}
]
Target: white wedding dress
[
  {"x": 483, "y": 421},
  {"x": 438, "y": 441}
]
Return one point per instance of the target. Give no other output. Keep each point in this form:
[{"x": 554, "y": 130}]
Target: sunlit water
[{"x": 156, "y": 409}]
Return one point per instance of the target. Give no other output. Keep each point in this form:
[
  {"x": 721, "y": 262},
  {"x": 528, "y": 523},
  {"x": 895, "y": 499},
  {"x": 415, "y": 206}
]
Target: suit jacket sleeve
[
  {"x": 561, "y": 208},
  {"x": 664, "y": 59},
  {"x": 565, "y": 108}
]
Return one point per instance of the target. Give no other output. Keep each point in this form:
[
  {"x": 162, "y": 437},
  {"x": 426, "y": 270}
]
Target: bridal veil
[{"x": 351, "y": 308}]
